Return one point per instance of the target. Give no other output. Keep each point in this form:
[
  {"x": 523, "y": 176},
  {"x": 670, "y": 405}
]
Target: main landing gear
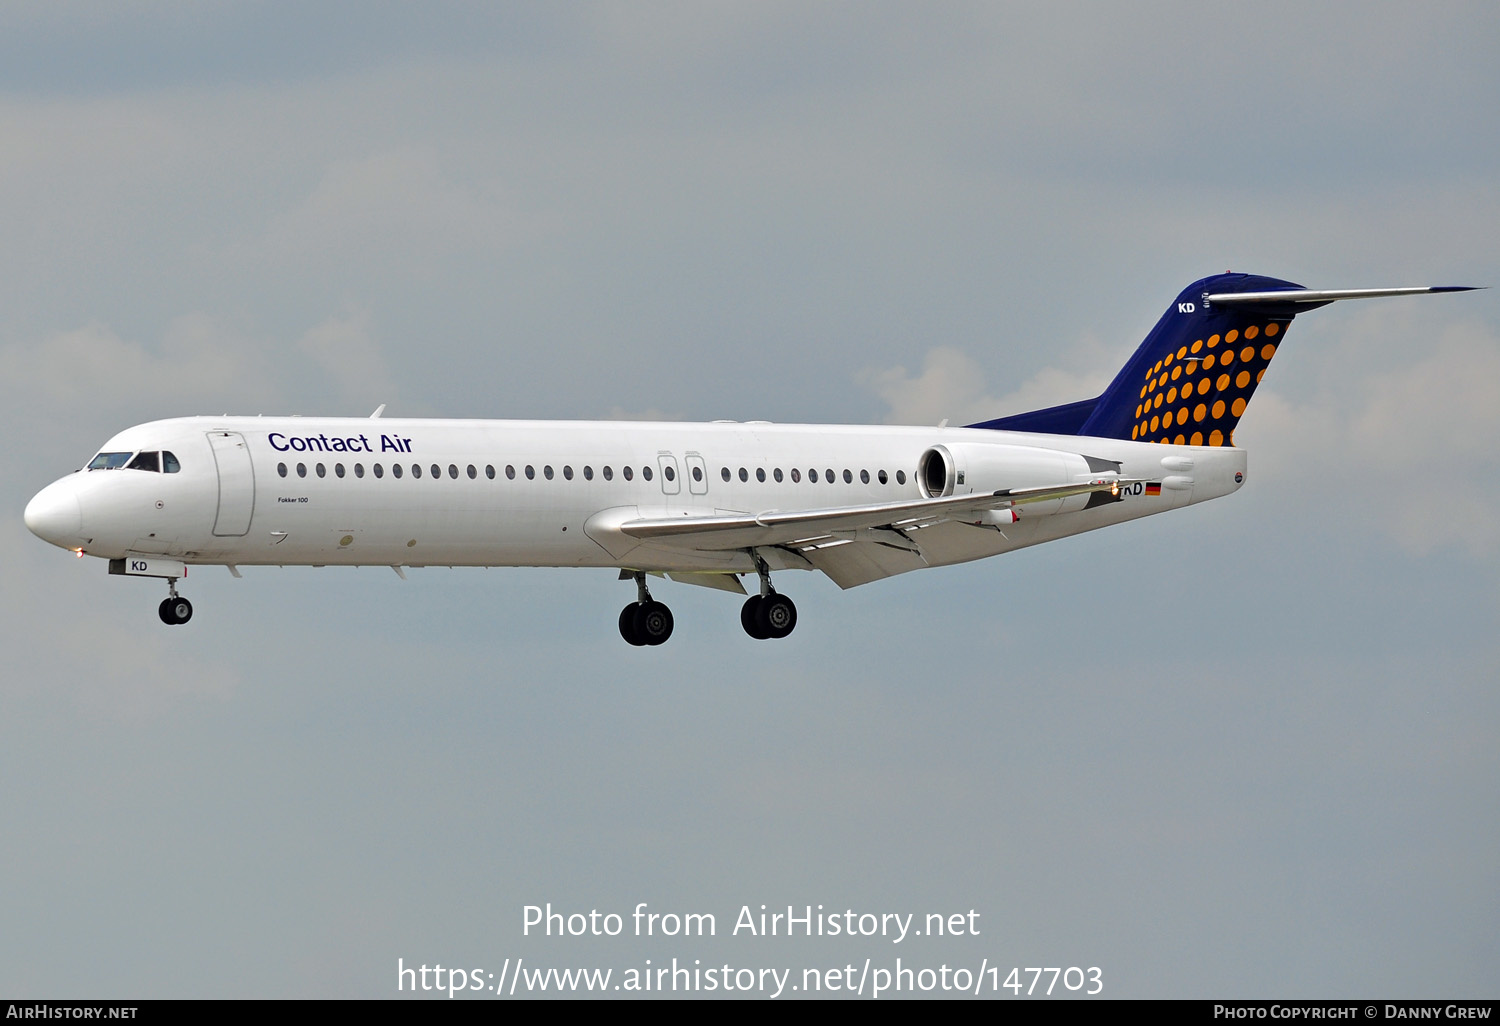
[
  {"x": 645, "y": 621},
  {"x": 648, "y": 622},
  {"x": 769, "y": 614},
  {"x": 174, "y": 609}
]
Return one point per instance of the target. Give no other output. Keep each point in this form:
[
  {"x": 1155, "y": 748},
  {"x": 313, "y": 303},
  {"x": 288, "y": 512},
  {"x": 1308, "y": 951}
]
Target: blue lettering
[{"x": 322, "y": 443}]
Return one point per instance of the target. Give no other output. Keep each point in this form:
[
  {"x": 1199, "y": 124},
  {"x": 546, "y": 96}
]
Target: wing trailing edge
[{"x": 847, "y": 523}]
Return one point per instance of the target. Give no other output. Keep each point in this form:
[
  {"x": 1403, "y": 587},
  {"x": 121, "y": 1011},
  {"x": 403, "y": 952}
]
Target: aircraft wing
[{"x": 883, "y": 523}]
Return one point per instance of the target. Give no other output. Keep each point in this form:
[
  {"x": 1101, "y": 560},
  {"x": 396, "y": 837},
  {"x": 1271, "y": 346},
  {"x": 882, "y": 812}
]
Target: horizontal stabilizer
[{"x": 1321, "y": 296}]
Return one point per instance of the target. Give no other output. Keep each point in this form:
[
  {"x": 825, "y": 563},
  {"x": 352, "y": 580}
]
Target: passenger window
[
  {"x": 510, "y": 472},
  {"x": 567, "y": 473},
  {"x": 146, "y": 461},
  {"x": 627, "y": 472},
  {"x": 473, "y": 474},
  {"x": 777, "y": 475},
  {"x": 169, "y": 464},
  {"x": 338, "y": 469},
  {"x": 395, "y": 470},
  {"x": 281, "y": 469},
  {"x": 812, "y": 475},
  {"x": 379, "y": 470},
  {"x": 489, "y": 471},
  {"x": 796, "y": 475},
  {"x": 453, "y": 472},
  {"x": 416, "y": 470},
  {"x": 669, "y": 473},
  {"x": 848, "y": 477},
  {"x": 437, "y": 471},
  {"x": 760, "y": 474},
  {"x": 724, "y": 473},
  {"x": 530, "y": 472},
  {"x": 744, "y": 474},
  {"x": 609, "y": 474},
  {"x": 901, "y": 477},
  {"x": 588, "y": 473},
  {"x": 883, "y": 478},
  {"x": 359, "y": 470},
  {"x": 646, "y": 473},
  {"x": 302, "y": 470},
  {"x": 547, "y": 472},
  {"x": 697, "y": 473},
  {"x": 322, "y": 471},
  {"x": 864, "y": 477}
]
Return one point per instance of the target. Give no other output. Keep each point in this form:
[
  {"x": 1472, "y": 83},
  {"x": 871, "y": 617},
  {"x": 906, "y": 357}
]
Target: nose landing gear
[{"x": 174, "y": 609}]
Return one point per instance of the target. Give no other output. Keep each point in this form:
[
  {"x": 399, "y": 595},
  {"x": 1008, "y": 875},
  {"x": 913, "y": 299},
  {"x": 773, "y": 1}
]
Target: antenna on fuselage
[{"x": 378, "y": 411}]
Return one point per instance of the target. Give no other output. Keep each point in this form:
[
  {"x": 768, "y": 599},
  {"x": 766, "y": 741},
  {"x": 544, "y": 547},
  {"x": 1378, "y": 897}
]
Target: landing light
[{"x": 80, "y": 553}]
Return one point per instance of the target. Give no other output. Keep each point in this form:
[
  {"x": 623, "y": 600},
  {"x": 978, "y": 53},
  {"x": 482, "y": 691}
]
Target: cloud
[
  {"x": 398, "y": 203},
  {"x": 102, "y": 667},
  {"x": 201, "y": 364},
  {"x": 1416, "y": 439},
  {"x": 344, "y": 347},
  {"x": 92, "y": 364},
  {"x": 1417, "y": 432},
  {"x": 952, "y": 385}
]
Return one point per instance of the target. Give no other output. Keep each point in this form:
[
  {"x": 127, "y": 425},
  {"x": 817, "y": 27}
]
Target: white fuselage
[{"x": 320, "y": 491}]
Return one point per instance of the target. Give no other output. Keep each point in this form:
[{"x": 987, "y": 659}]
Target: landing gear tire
[
  {"x": 653, "y": 623},
  {"x": 750, "y": 618},
  {"x": 646, "y": 623},
  {"x": 174, "y": 611},
  {"x": 627, "y": 624},
  {"x": 776, "y": 616}
]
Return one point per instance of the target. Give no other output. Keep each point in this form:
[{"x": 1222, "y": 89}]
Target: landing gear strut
[
  {"x": 645, "y": 621},
  {"x": 174, "y": 609},
  {"x": 769, "y": 614}
]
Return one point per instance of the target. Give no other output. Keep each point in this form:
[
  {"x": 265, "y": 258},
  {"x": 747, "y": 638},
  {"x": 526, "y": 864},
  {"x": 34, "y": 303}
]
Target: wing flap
[
  {"x": 798, "y": 529},
  {"x": 849, "y": 566}
]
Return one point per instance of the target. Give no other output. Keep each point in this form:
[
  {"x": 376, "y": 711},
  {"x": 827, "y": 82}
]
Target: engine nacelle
[{"x": 968, "y": 468}]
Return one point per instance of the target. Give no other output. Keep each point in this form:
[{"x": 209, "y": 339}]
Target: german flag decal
[{"x": 1153, "y": 487}]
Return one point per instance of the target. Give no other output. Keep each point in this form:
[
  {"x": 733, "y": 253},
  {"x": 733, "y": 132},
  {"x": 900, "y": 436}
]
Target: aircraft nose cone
[{"x": 54, "y": 515}]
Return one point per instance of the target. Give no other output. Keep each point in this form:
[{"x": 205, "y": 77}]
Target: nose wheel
[{"x": 174, "y": 609}]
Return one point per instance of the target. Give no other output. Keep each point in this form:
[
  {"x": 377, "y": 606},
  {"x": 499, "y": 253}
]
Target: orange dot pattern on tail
[{"x": 1213, "y": 402}]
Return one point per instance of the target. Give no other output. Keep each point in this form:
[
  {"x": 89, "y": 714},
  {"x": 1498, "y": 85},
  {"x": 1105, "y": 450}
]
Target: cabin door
[{"x": 236, "y": 484}]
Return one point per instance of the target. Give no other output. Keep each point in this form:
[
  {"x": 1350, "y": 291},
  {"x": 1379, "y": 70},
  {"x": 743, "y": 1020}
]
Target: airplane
[{"x": 704, "y": 504}]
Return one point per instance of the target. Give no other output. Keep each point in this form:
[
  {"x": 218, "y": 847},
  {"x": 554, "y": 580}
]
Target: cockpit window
[
  {"x": 109, "y": 461},
  {"x": 169, "y": 464},
  {"x": 146, "y": 461}
]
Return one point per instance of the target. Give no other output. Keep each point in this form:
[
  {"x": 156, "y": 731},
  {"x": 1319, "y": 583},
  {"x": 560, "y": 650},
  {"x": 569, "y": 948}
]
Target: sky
[{"x": 1246, "y": 749}]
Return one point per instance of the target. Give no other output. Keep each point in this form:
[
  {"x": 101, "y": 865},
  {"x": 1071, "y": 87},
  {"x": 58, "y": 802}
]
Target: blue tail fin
[{"x": 1190, "y": 380}]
